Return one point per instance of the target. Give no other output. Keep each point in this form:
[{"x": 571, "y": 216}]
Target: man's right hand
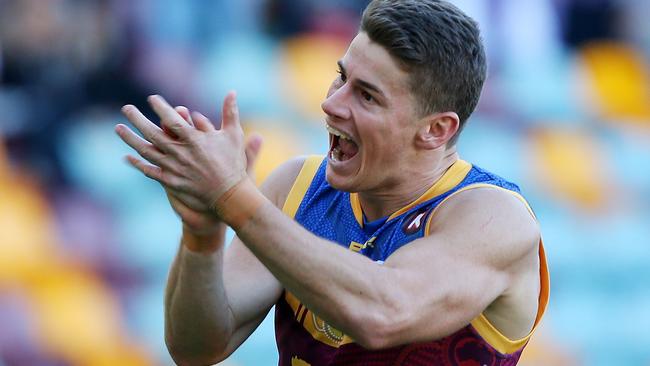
[{"x": 194, "y": 213}]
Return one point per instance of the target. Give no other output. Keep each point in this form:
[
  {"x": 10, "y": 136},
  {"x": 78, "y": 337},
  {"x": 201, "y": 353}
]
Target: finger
[
  {"x": 149, "y": 130},
  {"x": 253, "y": 146},
  {"x": 140, "y": 145},
  {"x": 185, "y": 113},
  {"x": 169, "y": 118},
  {"x": 230, "y": 112},
  {"x": 180, "y": 207},
  {"x": 160, "y": 175},
  {"x": 150, "y": 171},
  {"x": 148, "y": 151},
  {"x": 187, "y": 199},
  {"x": 202, "y": 122},
  {"x": 185, "y": 212}
]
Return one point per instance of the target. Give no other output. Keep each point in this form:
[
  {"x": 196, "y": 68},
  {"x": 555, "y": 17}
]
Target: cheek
[{"x": 389, "y": 144}]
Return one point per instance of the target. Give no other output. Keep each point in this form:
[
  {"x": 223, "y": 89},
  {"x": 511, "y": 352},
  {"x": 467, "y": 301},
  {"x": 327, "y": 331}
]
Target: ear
[{"x": 436, "y": 130}]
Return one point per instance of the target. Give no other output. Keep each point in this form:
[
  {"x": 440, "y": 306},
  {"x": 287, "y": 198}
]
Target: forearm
[
  {"x": 198, "y": 320},
  {"x": 346, "y": 289}
]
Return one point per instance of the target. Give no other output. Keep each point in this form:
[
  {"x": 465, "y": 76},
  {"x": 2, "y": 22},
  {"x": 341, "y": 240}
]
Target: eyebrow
[{"x": 364, "y": 84}]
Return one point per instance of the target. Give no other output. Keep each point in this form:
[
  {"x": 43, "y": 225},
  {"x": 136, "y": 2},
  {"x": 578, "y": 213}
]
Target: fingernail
[
  {"x": 195, "y": 115},
  {"x": 233, "y": 106}
]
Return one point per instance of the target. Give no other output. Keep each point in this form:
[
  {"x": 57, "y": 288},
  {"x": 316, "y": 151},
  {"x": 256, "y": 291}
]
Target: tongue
[{"x": 348, "y": 148}]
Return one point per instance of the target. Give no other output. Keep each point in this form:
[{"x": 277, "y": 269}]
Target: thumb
[
  {"x": 230, "y": 111},
  {"x": 253, "y": 147}
]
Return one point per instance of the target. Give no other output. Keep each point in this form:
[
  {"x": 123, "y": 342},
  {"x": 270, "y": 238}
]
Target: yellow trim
[
  {"x": 295, "y": 361},
  {"x": 312, "y": 322},
  {"x": 481, "y": 323},
  {"x": 293, "y": 302},
  {"x": 498, "y": 340},
  {"x": 301, "y": 184},
  {"x": 356, "y": 208},
  {"x": 495, "y": 338},
  {"x": 474, "y": 186},
  {"x": 452, "y": 177}
]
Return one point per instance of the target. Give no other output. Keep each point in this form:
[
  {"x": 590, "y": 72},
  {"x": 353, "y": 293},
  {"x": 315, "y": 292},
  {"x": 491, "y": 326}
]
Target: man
[{"x": 400, "y": 252}]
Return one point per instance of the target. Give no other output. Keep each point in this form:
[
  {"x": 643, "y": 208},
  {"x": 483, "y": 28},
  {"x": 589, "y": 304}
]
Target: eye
[
  {"x": 367, "y": 96},
  {"x": 342, "y": 75}
]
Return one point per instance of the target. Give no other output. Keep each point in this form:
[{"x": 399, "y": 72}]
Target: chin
[{"x": 345, "y": 184}]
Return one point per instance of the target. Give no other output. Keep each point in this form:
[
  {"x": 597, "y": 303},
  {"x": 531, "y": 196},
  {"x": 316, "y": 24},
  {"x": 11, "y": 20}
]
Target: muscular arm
[
  {"x": 426, "y": 290},
  {"x": 482, "y": 243},
  {"x": 214, "y": 301}
]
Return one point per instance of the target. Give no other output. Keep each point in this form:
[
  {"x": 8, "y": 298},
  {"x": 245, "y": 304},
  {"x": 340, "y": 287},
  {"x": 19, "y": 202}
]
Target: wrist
[
  {"x": 239, "y": 203},
  {"x": 204, "y": 241}
]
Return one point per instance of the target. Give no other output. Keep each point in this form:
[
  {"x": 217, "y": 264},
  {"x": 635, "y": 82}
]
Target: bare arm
[
  {"x": 215, "y": 298},
  {"x": 214, "y": 301},
  {"x": 426, "y": 290},
  {"x": 479, "y": 247},
  {"x": 208, "y": 313}
]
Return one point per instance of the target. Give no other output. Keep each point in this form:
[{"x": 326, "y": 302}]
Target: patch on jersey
[
  {"x": 319, "y": 329},
  {"x": 330, "y": 332},
  {"x": 415, "y": 221}
]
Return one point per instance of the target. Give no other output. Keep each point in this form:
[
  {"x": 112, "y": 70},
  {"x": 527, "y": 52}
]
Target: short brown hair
[{"x": 439, "y": 45}]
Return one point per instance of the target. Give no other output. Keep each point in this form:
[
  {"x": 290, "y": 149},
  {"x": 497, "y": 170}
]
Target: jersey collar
[{"x": 452, "y": 177}]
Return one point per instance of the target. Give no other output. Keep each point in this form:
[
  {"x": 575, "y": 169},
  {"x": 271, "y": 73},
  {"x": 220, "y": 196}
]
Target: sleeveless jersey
[{"x": 304, "y": 339}]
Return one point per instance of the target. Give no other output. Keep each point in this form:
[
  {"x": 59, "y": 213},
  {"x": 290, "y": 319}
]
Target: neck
[{"x": 383, "y": 202}]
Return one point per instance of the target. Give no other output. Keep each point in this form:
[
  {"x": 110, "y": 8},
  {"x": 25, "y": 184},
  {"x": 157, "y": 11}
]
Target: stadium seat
[
  {"x": 27, "y": 233},
  {"x": 619, "y": 82},
  {"x": 570, "y": 166},
  {"x": 279, "y": 145},
  {"x": 78, "y": 319},
  {"x": 309, "y": 67}
]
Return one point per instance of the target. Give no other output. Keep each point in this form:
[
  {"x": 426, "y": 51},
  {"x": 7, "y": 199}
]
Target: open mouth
[{"x": 342, "y": 147}]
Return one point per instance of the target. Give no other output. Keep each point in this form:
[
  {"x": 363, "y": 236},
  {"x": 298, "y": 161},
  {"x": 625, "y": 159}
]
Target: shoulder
[
  {"x": 496, "y": 221},
  {"x": 278, "y": 184}
]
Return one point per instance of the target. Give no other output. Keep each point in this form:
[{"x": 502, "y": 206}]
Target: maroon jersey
[{"x": 304, "y": 339}]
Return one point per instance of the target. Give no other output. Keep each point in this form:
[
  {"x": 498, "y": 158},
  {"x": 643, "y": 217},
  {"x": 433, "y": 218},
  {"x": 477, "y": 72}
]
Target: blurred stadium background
[{"x": 85, "y": 241}]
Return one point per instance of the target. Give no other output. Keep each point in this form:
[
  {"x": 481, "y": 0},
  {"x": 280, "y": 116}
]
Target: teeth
[
  {"x": 336, "y": 154},
  {"x": 338, "y": 133}
]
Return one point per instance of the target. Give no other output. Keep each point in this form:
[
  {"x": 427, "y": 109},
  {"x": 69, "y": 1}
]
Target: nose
[{"x": 336, "y": 103}]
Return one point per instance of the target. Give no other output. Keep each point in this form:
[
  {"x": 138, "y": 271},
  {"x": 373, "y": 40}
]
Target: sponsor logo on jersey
[{"x": 415, "y": 221}]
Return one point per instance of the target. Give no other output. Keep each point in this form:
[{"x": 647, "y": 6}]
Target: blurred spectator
[
  {"x": 286, "y": 18},
  {"x": 589, "y": 20},
  {"x": 58, "y": 57}
]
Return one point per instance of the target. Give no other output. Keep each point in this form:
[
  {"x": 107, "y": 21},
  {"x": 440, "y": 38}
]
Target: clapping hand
[{"x": 190, "y": 158}]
